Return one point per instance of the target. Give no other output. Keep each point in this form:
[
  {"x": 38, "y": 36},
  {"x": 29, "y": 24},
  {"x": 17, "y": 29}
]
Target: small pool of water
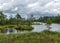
[{"x": 38, "y": 28}]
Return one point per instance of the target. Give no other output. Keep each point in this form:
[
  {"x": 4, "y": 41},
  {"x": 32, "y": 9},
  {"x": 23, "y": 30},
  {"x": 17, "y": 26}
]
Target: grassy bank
[
  {"x": 33, "y": 37},
  {"x": 20, "y": 27}
]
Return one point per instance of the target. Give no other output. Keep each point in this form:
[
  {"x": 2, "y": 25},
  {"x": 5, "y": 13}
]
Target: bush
[
  {"x": 7, "y": 26},
  {"x": 21, "y": 27},
  {"x": 24, "y": 27},
  {"x": 1, "y": 27},
  {"x": 11, "y": 26}
]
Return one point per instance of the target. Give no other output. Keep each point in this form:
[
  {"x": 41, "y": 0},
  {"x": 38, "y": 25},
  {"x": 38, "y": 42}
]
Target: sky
[{"x": 27, "y": 7}]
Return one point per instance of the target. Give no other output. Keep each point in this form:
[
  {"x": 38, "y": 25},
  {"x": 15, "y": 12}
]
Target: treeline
[
  {"x": 54, "y": 19},
  {"x": 17, "y": 20}
]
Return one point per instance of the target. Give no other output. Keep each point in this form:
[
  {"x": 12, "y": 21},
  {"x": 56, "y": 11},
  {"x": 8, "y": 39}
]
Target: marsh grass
[
  {"x": 20, "y": 27},
  {"x": 31, "y": 37}
]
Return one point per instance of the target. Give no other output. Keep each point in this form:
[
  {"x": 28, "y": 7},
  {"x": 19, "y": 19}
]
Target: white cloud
[
  {"x": 15, "y": 9},
  {"x": 12, "y": 0},
  {"x": 53, "y": 6},
  {"x": 33, "y": 5},
  {"x": 28, "y": 6}
]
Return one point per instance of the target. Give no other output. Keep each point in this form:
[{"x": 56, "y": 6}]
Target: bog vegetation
[
  {"x": 21, "y": 23},
  {"x": 41, "y": 37},
  {"x": 16, "y": 22}
]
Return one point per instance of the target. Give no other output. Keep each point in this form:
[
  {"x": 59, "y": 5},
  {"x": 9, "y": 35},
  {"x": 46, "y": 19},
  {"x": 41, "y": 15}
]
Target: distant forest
[
  {"x": 54, "y": 19},
  {"x": 19, "y": 20}
]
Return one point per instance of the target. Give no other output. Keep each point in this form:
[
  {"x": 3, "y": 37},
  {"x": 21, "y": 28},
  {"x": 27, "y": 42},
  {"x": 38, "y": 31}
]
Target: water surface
[{"x": 38, "y": 28}]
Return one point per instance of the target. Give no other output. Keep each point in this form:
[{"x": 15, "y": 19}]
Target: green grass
[
  {"x": 31, "y": 37},
  {"x": 24, "y": 27},
  {"x": 6, "y": 26},
  {"x": 20, "y": 27}
]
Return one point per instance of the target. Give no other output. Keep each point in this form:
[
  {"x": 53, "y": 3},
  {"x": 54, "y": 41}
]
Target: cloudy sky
[{"x": 26, "y": 7}]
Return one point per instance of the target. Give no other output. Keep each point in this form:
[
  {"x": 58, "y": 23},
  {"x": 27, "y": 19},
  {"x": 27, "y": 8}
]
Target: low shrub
[
  {"x": 24, "y": 27},
  {"x": 1, "y": 27},
  {"x": 11, "y": 26},
  {"x": 7, "y": 26}
]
